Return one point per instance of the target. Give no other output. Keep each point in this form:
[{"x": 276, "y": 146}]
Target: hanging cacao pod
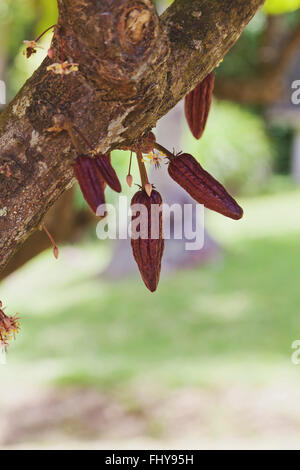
[
  {"x": 149, "y": 246},
  {"x": 109, "y": 175},
  {"x": 197, "y": 105},
  {"x": 203, "y": 187},
  {"x": 90, "y": 181}
]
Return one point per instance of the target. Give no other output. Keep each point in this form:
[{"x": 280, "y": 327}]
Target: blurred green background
[{"x": 205, "y": 362}]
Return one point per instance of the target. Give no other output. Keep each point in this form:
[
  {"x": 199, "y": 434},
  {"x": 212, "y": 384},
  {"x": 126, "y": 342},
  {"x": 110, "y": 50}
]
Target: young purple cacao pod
[
  {"x": 197, "y": 105},
  {"x": 203, "y": 187},
  {"x": 108, "y": 172},
  {"x": 148, "y": 246},
  {"x": 90, "y": 181}
]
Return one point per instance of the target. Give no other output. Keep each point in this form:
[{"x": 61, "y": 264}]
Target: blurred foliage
[
  {"x": 47, "y": 14},
  {"x": 22, "y": 68},
  {"x": 23, "y": 19},
  {"x": 281, "y": 137},
  {"x": 275, "y": 7},
  {"x": 17, "y": 17},
  {"x": 243, "y": 59},
  {"x": 235, "y": 147}
]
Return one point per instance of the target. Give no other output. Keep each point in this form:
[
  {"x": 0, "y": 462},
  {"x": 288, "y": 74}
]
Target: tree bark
[{"x": 133, "y": 68}]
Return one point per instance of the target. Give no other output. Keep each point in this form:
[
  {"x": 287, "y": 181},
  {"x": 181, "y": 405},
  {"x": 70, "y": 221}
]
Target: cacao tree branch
[{"x": 133, "y": 68}]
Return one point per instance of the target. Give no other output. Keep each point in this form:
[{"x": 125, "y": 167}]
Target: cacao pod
[
  {"x": 149, "y": 246},
  {"x": 90, "y": 181},
  {"x": 203, "y": 187},
  {"x": 108, "y": 173},
  {"x": 197, "y": 105}
]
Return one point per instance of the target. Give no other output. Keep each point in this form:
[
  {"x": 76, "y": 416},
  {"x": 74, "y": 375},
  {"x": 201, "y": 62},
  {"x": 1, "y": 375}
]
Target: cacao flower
[
  {"x": 197, "y": 105},
  {"x": 149, "y": 246},
  {"x": 203, "y": 187},
  {"x": 108, "y": 173},
  {"x": 9, "y": 327},
  {"x": 90, "y": 181},
  {"x": 31, "y": 48}
]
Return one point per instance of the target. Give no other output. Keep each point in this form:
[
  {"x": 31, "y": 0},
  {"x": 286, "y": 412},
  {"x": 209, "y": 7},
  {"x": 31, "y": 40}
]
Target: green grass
[{"x": 231, "y": 321}]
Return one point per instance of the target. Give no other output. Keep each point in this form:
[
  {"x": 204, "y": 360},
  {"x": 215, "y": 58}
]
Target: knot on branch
[
  {"x": 116, "y": 45},
  {"x": 137, "y": 27},
  {"x": 134, "y": 44}
]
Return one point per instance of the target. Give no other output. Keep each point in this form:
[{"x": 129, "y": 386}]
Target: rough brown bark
[{"x": 133, "y": 68}]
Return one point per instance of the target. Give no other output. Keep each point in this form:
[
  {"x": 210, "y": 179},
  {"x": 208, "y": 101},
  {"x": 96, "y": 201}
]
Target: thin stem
[
  {"x": 83, "y": 137},
  {"x": 55, "y": 249},
  {"x": 142, "y": 168},
  {"x": 130, "y": 161},
  {"x": 44, "y": 32},
  {"x": 164, "y": 150}
]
